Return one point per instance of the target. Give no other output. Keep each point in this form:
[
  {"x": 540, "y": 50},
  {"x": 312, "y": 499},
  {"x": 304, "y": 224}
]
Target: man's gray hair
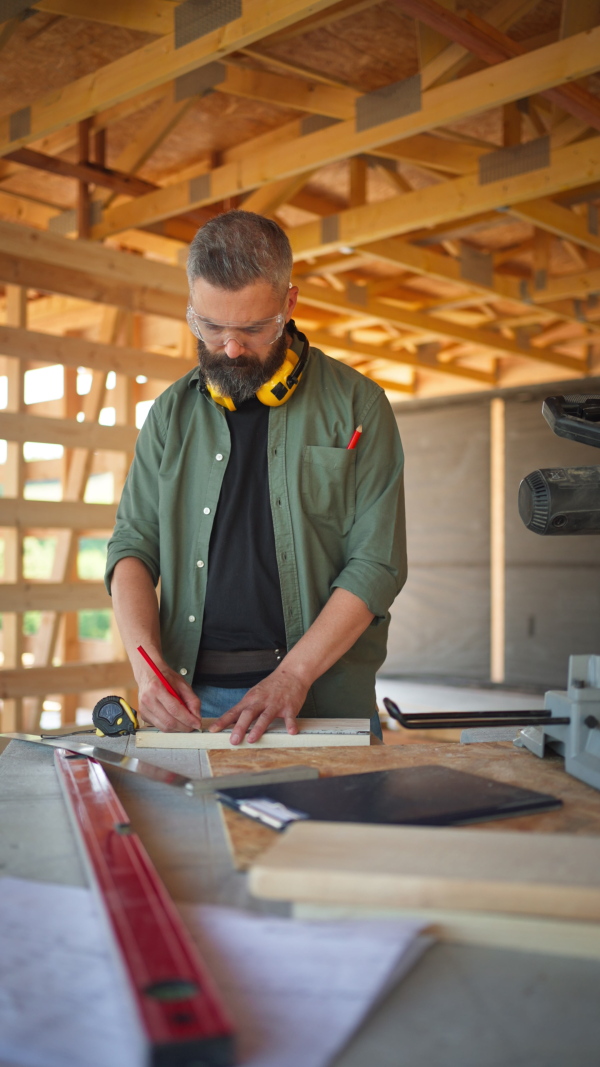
[{"x": 238, "y": 248}]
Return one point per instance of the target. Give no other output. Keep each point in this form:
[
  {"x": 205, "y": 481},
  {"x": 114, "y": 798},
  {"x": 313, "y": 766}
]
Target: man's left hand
[{"x": 280, "y": 696}]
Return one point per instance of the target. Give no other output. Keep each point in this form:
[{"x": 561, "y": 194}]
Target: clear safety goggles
[{"x": 217, "y": 334}]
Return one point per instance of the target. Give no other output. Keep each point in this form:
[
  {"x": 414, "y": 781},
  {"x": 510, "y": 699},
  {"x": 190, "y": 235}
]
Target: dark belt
[{"x": 245, "y": 662}]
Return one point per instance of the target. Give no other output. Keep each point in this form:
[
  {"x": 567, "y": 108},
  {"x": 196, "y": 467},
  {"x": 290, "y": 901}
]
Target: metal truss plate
[
  {"x": 199, "y": 81},
  {"x": 388, "y": 103},
  {"x": 199, "y": 188},
  {"x": 10, "y": 9},
  {"x": 66, "y": 222},
  {"x": 196, "y": 18},
  {"x": 519, "y": 159},
  {"x": 476, "y": 266},
  {"x": 330, "y": 229},
  {"x": 19, "y": 124},
  {"x": 356, "y": 294},
  {"x": 313, "y": 123}
]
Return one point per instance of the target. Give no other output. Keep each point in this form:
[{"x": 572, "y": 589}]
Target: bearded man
[{"x": 279, "y": 549}]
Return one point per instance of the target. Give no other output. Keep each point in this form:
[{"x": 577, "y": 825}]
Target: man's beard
[{"x": 240, "y": 378}]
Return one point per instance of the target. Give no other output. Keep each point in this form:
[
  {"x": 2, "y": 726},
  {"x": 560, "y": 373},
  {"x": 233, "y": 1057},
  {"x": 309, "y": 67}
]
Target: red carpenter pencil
[
  {"x": 355, "y": 437},
  {"x": 159, "y": 674}
]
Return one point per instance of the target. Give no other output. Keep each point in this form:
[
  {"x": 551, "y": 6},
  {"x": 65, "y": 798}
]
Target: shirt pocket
[{"x": 328, "y": 485}]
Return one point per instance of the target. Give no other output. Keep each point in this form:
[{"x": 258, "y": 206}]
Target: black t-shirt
[{"x": 243, "y": 608}]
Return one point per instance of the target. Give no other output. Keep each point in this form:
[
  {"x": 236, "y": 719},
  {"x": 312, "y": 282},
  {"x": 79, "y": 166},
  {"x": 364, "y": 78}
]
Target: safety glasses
[{"x": 216, "y": 334}]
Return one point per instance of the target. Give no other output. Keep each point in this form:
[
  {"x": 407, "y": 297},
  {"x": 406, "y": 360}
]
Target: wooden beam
[
  {"x": 67, "y": 432},
  {"x": 77, "y": 472},
  {"x": 69, "y": 678},
  {"x": 341, "y": 10},
  {"x": 454, "y": 58},
  {"x": 153, "y": 65},
  {"x": 493, "y": 46},
  {"x": 47, "y": 596},
  {"x": 478, "y": 92},
  {"x": 52, "y": 514},
  {"x": 431, "y": 264},
  {"x": 150, "y": 16},
  {"x": 389, "y": 384},
  {"x": 13, "y": 486},
  {"x": 430, "y": 43},
  {"x": 331, "y": 100},
  {"x": 454, "y": 200},
  {"x": 582, "y": 284},
  {"x": 331, "y": 343},
  {"x": 267, "y": 199},
  {"x": 358, "y": 181},
  {"x": 430, "y": 325},
  {"x": 558, "y": 220},
  {"x": 89, "y": 271},
  {"x": 435, "y": 153},
  {"x": 152, "y": 133},
  {"x": 29, "y": 345},
  {"x": 82, "y": 210},
  {"x": 117, "y": 181}
]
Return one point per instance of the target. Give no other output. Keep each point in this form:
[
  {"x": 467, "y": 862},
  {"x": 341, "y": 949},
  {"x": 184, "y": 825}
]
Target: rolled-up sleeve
[
  {"x": 376, "y": 565},
  {"x": 136, "y": 531}
]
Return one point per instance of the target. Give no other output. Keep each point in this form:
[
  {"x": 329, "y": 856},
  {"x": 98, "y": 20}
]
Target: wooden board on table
[
  {"x": 552, "y": 875},
  {"x": 313, "y": 733}
]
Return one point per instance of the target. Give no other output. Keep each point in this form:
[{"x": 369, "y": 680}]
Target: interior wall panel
[
  {"x": 440, "y": 621},
  {"x": 552, "y": 583}
]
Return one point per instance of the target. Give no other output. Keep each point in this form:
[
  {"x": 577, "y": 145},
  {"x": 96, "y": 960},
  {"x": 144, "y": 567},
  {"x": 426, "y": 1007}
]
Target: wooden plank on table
[
  {"x": 314, "y": 733},
  {"x": 525, "y": 933},
  {"x": 556, "y": 875}
]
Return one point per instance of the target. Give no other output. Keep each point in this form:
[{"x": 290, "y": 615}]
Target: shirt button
[
  {"x": 191, "y": 618},
  {"x": 200, "y": 563},
  {"x": 183, "y": 670},
  {"x": 219, "y": 456},
  {"x": 207, "y": 511}
]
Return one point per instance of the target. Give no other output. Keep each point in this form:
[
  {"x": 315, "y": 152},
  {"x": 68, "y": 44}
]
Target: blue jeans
[{"x": 216, "y": 701}]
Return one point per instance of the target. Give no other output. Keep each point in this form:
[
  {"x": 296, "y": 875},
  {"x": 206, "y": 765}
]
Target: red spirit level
[{"x": 178, "y": 1006}]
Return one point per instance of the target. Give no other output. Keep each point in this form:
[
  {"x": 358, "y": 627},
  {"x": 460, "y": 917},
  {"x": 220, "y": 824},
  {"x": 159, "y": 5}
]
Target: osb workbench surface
[{"x": 580, "y": 813}]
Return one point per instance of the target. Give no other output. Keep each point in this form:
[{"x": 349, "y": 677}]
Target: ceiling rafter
[
  {"x": 153, "y": 65},
  {"x": 468, "y": 96},
  {"x": 430, "y": 325}
]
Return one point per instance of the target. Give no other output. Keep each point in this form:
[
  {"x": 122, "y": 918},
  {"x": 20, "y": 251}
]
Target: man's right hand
[{"x": 158, "y": 708}]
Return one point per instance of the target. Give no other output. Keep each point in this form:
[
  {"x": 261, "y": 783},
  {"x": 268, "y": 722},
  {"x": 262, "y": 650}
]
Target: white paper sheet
[{"x": 296, "y": 990}]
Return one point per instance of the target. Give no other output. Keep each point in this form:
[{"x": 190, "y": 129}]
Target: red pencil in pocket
[{"x": 355, "y": 437}]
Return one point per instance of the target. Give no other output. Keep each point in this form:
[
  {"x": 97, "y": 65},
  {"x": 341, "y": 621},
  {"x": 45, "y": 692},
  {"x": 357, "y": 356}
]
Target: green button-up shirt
[{"x": 338, "y": 515}]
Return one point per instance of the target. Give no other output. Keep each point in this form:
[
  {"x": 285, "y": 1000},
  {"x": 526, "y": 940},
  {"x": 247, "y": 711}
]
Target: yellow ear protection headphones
[{"x": 282, "y": 385}]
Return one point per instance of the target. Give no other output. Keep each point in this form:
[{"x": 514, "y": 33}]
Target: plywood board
[
  {"x": 553, "y": 875},
  {"x": 313, "y": 733},
  {"x": 526, "y": 933}
]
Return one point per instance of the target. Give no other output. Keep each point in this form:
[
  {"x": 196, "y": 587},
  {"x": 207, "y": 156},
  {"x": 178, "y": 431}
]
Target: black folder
[{"x": 419, "y": 796}]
